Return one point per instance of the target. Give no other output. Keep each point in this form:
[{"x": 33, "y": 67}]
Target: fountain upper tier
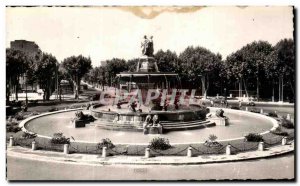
[{"x": 148, "y": 76}]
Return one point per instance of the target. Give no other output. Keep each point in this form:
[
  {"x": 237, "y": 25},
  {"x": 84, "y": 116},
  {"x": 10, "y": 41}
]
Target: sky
[{"x": 107, "y": 32}]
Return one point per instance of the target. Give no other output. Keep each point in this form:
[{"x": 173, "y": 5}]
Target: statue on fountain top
[
  {"x": 147, "y": 46},
  {"x": 147, "y": 62}
]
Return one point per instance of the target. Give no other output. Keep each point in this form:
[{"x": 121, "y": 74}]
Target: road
[{"x": 275, "y": 168}]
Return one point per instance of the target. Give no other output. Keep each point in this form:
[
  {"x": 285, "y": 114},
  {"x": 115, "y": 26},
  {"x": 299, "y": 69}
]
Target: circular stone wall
[{"x": 240, "y": 124}]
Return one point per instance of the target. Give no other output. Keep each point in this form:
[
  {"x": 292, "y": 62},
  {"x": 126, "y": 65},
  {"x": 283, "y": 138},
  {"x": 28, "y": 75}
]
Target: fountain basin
[
  {"x": 241, "y": 123},
  {"x": 109, "y": 117}
]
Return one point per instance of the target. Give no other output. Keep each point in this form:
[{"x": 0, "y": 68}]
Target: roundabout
[
  {"x": 149, "y": 113},
  {"x": 240, "y": 124}
]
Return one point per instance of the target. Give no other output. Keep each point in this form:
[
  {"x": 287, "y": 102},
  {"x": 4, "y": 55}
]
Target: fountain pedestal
[
  {"x": 153, "y": 130},
  {"x": 221, "y": 121},
  {"x": 78, "y": 123}
]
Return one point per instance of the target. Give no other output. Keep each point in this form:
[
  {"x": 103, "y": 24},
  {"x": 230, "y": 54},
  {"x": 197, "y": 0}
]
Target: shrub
[
  {"x": 272, "y": 114},
  {"x": 33, "y": 101},
  {"x": 105, "y": 143},
  {"x": 34, "y": 113},
  {"x": 59, "y": 138},
  {"x": 211, "y": 142},
  {"x": 235, "y": 108},
  {"x": 159, "y": 144},
  {"x": 253, "y": 137},
  {"x": 212, "y": 137},
  {"x": 254, "y": 111},
  {"x": 16, "y": 103},
  {"x": 287, "y": 124},
  {"x": 279, "y": 131},
  {"x": 11, "y": 121},
  {"x": 53, "y": 109},
  {"x": 13, "y": 128},
  {"x": 28, "y": 135},
  {"x": 19, "y": 116}
]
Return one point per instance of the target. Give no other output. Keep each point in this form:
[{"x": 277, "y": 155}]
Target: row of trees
[
  {"x": 44, "y": 70},
  {"x": 254, "y": 68},
  {"x": 259, "y": 65}
]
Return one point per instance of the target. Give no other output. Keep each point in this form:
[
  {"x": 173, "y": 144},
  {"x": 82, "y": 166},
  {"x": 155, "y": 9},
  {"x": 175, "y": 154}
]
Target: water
[{"x": 239, "y": 126}]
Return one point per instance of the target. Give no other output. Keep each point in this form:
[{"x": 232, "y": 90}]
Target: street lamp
[
  {"x": 225, "y": 95},
  {"x": 56, "y": 73},
  {"x": 201, "y": 87},
  {"x": 26, "y": 99}
]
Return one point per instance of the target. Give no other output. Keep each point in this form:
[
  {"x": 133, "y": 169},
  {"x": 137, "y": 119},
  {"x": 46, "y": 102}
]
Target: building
[
  {"x": 29, "y": 47},
  {"x": 103, "y": 63}
]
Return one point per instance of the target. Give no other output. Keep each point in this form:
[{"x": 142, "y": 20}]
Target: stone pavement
[{"x": 87, "y": 159}]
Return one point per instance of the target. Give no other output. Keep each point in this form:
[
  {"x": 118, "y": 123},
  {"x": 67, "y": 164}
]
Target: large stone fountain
[{"x": 138, "y": 115}]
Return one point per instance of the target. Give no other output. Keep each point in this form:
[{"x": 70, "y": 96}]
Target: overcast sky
[{"x": 104, "y": 33}]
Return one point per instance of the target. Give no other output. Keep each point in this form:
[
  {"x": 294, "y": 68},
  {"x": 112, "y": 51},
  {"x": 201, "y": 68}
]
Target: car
[
  {"x": 95, "y": 97},
  {"x": 40, "y": 92},
  {"x": 251, "y": 103}
]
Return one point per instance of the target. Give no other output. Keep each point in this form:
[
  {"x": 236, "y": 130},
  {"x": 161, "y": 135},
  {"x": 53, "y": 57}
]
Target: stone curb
[
  {"x": 23, "y": 123},
  {"x": 134, "y": 160}
]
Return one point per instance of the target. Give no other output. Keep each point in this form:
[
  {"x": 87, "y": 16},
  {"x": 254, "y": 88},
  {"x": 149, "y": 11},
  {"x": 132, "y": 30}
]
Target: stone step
[
  {"x": 189, "y": 127},
  {"x": 184, "y": 124},
  {"x": 106, "y": 121},
  {"x": 111, "y": 127},
  {"x": 169, "y": 125},
  {"x": 111, "y": 124},
  {"x": 166, "y": 126}
]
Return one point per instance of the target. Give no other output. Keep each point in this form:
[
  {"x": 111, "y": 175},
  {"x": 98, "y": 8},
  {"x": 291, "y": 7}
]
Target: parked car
[
  {"x": 40, "y": 92},
  {"x": 251, "y": 103},
  {"x": 95, "y": 97}
]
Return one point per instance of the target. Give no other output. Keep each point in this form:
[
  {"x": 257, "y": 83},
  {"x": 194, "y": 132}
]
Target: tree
[
  {"x": 281, "y": 65},
  {"x": 92, "y": 76},
  {"x": 199, "y": 64},
  {"x": 114, "y": 67},
  {"x": 247, "y": 64},
  {"x": 45, "y": 74},
  {"x": 77, "y": 67},
  {"x": 96, "y": 76},
  {"x": 62, "y": 75},
  {"x": 166, "y": 61},
  {"x": 17, "y": 63},
  {"x": 132, "y": 65}
]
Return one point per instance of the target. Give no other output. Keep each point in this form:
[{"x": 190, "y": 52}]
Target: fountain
[
  {"x": 120, "y": 121},
  {"x": 152, "y": 116}
]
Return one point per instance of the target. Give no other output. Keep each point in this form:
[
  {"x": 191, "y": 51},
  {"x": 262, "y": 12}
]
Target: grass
[
  {"x": 91, "y": 148},
  {"x": 178, "y": 150}
]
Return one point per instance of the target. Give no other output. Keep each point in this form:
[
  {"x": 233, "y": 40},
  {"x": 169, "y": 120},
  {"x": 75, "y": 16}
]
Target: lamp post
[
  {"x": 57, "y": 92},
  {"x": 225, "y": 95},
  {"x": 201, "y": 83},
  {"x": 26, "y": 99}
]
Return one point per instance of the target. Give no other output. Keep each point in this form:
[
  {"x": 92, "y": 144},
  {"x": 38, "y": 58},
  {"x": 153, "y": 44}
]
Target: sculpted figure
[
  {"x": 147, "y": 121},
  {"x": 150, "y": 47},
  {"x": 155, "y": 120},
  {"x": 144, "y": 45},
  {"x": 147, "y": 46}
]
